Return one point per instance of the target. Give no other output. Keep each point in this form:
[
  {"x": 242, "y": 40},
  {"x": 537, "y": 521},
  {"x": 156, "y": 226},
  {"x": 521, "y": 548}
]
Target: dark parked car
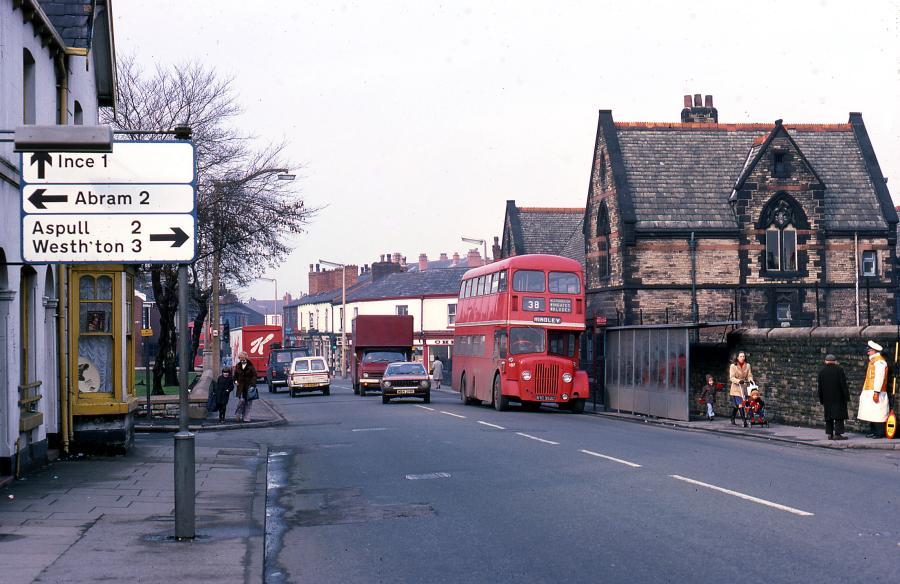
[
  {"x": 279, "y": 366},
  {"x": 405, "y": 379}
]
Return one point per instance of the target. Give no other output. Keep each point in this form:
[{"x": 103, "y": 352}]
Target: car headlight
[
  {"x": 567, "y": 377},
  {"x": 526, "y": 375},
  {"x": 366, "y": 375},
  {"x": 386, "y": 384},
  {"x": 424, "y": 384}
]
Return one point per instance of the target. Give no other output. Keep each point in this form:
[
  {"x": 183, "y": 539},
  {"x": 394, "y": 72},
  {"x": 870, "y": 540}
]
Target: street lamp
[
  {"x": 276, "y": 296},
  {"x": 281, "y": 174},
  {"x": 478, "y": 241},
  {"x": 343, "y": 313}
]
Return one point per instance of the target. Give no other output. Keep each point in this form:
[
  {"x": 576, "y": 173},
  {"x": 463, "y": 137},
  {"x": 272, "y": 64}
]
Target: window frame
[{"x": 863, "y": 260}]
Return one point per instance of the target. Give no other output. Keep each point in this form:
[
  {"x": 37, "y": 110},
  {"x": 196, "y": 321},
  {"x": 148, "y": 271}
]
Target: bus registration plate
[{"x": 545, "y": 397}]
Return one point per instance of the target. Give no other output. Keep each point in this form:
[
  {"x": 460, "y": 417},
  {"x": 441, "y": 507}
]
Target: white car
[{"x": 309, "y": 374}]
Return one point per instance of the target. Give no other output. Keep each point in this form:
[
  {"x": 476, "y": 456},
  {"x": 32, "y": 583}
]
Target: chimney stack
[
  {"x": 699, "y": 110},
  {"x": 423, "y": 262},
  {"x": 443, "y": 256},
  {"x": 496, "y": 248},
  {"x": 473, "y": 258},
  {"x": 397, "y": 258},
  {"x": 455, "y": 258}
]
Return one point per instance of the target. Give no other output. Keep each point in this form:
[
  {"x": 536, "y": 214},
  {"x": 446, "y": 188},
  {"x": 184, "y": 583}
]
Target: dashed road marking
[
  {"x": 745, "y": 497},
  {"x": 425, "y": 408},
  {"x": 367, "y": 429},
  {"x": 612, "y": 458},
  {"x": 538, "y": 439},
  {"x": 428, "y": 475},
  {"x": 452, "y": 414},
  {"x": 491, "y": 425}
]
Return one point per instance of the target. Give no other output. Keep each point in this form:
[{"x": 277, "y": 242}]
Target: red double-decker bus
[{"x": 517, "y": 333}]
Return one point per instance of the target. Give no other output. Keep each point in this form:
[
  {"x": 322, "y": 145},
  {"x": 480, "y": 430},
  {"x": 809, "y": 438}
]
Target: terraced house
[{"x": 773, "y": 224}]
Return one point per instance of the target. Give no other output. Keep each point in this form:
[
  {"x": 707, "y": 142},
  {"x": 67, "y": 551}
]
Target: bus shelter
[{"x": 647, "y": 368}]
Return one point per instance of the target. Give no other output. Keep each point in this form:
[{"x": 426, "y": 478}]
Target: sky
[{"x": 411, "y": 123}]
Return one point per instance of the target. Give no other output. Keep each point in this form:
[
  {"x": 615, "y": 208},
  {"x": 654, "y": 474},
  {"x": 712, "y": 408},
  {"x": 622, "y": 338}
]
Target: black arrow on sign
[
  {"x": 41, "y": 158},
  {"x": 38, "y": 199},
  {"x": 177, "y": 237}
]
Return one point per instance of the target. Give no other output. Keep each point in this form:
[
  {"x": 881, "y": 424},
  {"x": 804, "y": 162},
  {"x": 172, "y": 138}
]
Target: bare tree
[{"x": 245, "y": 215}]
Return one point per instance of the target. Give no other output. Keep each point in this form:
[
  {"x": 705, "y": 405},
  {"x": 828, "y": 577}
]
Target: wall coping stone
[
  {"x": 790, "y": 332},
  {"x": 879, "y": 331},
  {"x": 833, "y": 332},
  {"x": 751, "y": 333}
]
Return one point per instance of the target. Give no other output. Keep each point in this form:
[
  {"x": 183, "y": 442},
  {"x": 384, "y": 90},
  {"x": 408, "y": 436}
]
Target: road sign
[
  {"x": 129, "y": 162},
  {"x": 135, "y": 204},
  {"x": 130, "y": 239},
  {"x": 146, "y": 332}
]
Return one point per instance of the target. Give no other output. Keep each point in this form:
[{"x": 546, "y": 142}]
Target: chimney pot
[
  {"x": 317, "y": 267},
  {"x": 310, "y": 267},
  {"x": 687, "y": 101},
  {"x": 708, "y": 101},
  {"x": 698, "y": 100}
]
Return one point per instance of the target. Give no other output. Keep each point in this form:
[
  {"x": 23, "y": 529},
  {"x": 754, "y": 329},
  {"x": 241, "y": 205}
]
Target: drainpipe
[
  {"x": 856, "y": 263},
  {"x": 62, "y": 310},
  {"x": 695, "y": 309}
]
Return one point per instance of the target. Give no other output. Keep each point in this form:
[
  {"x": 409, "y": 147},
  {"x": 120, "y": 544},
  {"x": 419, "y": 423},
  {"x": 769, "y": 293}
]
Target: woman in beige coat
[{"x": 740, "y": 375}]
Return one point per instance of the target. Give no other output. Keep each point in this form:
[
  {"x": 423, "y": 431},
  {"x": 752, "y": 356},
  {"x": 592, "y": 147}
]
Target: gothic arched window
[
  {"x": 781, "y": 218},
  {"x": 603, "y": 264}
]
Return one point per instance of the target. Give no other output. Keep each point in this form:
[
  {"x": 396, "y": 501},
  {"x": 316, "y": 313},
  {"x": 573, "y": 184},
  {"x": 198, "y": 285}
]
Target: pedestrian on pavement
[
  {"x": 223, "y": 387},
  {"x": 244, "y": 380},
  {"x": 437, "y": 372},
  {"x": 708, "y": 396},
  {"x": 873, "y": 401},
  {"x": 740, "y": 376},
  {"x": 833, "y": 395}
]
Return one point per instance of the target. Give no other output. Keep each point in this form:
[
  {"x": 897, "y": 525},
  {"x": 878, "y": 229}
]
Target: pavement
[
  {"x": 95, "y": 518},
  {"x": 263, "y": 415}
]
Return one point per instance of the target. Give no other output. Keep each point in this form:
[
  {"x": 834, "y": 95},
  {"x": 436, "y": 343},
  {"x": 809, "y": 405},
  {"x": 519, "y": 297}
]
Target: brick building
[{"x": 774, "y": 224}]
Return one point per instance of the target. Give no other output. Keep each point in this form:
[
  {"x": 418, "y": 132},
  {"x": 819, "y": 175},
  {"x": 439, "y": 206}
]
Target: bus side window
[
  {"x": 495, "y": 283},
  {"x": 500, "y": 344},
  {"x": 503, "y": 281}
]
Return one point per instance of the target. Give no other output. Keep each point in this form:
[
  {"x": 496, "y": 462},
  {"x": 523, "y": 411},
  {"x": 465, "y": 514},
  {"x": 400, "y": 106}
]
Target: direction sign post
[{"x": 134, "y": 205}]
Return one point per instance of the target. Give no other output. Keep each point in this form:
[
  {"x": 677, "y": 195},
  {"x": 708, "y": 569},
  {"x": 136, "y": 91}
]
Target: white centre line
[
  {"x": 745, "y": 497},
  {"x": 425, "y": 408},
  {"x": 491, "y": 425},
  {"x": 612, "y": 458},
  {"x": 452, "y": 414},
  {"x": 538, "y": 439}
]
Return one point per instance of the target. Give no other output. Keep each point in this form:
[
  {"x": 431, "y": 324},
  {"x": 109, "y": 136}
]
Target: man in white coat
[
  {"x": 437, "y": 372},
  {"x": 873, "y": 401}
]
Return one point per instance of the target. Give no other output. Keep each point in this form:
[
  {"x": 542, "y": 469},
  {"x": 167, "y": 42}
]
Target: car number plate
[{"x": 405, "y": 391}]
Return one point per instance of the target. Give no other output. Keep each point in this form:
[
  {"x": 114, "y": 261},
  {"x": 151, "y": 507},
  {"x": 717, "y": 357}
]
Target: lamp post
[
  {"x": 478, "y": 241},
  {"x": 275, "y": 281},
  {"x": 343, "y": 313}
]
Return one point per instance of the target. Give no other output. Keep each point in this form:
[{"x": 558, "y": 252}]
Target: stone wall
[{"x": 786, "y": 362}]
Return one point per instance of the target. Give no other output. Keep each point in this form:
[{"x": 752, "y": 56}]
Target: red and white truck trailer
[{"x": 257, "y": 340}]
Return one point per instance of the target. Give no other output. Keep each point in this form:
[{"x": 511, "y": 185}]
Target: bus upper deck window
[
  {"x": 503, "y": 281},
  {"x": 528, "y": 281},
  {"x": 564, "y": 283}
]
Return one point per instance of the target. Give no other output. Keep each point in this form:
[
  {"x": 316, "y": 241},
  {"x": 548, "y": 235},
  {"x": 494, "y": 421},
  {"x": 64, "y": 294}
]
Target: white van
[{"x": 309, "y": 374}]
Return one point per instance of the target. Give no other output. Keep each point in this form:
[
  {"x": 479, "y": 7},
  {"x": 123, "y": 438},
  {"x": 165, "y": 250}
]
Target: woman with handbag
[
  {"x": 740, "y": 376},
  {"x": 245, "y": 386}
]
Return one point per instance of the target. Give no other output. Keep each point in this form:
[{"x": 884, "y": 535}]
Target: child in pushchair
[{"x": 755, "y": 408}]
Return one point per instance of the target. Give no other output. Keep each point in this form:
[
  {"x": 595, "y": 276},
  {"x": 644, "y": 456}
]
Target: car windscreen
[
  {"x": 564, "y": 283},
  {"x": 406, "y": 369},
  {"x": 383, "y": 357},
  {"x": 526, "y": 340},
  {"x": 318, "y": 365},
  {"x": 285, "y": 356},
  {"x": 301, "y": 366}
]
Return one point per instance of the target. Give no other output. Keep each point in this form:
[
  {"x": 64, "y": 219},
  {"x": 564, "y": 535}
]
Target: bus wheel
[
  {"x": 576, "y": 406},
  {"x": 501, "y": 402},
  {"x": 462, "y": 390}
]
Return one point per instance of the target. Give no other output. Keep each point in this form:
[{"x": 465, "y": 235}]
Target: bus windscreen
[{"x": 526, "y": 340}]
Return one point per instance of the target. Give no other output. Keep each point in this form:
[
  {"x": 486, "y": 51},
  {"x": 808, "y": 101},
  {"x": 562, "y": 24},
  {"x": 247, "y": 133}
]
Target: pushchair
[{"x": 755, "y": 408}]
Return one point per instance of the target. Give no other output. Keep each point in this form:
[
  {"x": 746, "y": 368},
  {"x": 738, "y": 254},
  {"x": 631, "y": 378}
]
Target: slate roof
[
  {"x": 332, "y": 295},
  {"x": 436, "y": 264},
  {"x": 72, "y": 19},
  {"x": 680, "y": 176},
  {"x": 548, "y": 230},
  {"x": 411, "y": 285}
]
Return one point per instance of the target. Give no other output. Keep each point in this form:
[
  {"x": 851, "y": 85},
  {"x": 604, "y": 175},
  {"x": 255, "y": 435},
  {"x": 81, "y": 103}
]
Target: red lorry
[
  {"x": 376, "y": 341},
  {"x": 258, "y": 340}
]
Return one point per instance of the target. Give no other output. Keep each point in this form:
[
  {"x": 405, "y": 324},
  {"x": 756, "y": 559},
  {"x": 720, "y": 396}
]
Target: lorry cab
[{"x": 373, "y": 362}]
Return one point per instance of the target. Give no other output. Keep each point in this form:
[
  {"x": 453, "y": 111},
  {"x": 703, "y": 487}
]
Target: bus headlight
[
  {"x": 526, "y": 375},
  {"x": 565, "y": 397},
  {"x": 567, "y": 377}
]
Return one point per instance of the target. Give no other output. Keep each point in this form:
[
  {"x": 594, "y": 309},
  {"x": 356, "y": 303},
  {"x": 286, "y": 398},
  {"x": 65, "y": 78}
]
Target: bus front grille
[{"x": 546, "y": 379}]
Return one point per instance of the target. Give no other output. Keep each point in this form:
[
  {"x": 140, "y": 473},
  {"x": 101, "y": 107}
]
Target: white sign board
[
  {"x": 131, "y": 239},
  {"x": 135, "y": 204}
]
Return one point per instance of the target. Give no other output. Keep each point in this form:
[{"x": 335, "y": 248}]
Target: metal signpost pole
[
  {"x": 147, "y": 388},
  {"x": 184, "y": 439}
]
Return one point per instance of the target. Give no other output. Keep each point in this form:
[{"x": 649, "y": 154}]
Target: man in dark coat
[{"x": 834, "y": 395}]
